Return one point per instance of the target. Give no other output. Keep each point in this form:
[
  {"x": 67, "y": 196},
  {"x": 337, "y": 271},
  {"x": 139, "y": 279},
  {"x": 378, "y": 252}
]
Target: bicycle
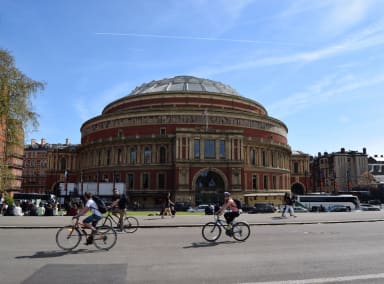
[
  {"x": 130, "y": 223},
  {"x": 70, "y": 236},
  {"x": 211, "y": 231}
]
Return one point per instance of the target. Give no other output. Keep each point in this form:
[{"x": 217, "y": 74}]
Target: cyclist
[
  {"x": 90, "y": 221},
  {"x": 118, "y": 206},
  {"x": 231, "y": 204}
]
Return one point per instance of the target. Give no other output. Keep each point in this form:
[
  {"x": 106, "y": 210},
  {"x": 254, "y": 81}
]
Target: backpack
[
  {"x": 100, "y": 204},
  {"x": 123, "y": 201},
  {"x": 238, "y": 203}
]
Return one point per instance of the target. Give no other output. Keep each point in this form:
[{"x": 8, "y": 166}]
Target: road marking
[{"x": 325, "y": 280}]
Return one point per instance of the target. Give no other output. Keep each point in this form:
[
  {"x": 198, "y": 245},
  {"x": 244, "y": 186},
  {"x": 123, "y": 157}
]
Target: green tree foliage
[{"x": 16, "y": 112}]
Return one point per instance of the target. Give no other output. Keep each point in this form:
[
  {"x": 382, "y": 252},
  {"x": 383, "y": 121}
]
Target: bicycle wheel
[
  {"x": 211, "y": 231},
  {"x": 105, "y": 238},
  {"x": 68, "y": 237},
  {"x": 241, "y": 231},
  {"x": 131, "y": 224},
  {"x": 105, "y": 221}
]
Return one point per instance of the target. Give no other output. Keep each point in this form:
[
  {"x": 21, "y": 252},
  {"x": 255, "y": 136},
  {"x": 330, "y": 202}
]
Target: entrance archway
[
  {"x": 209, "y": 188},
  {"x": 297, "y": 189}
]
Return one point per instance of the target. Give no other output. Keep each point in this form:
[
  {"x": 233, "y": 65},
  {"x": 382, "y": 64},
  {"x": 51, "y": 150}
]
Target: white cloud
[
  {"x": 345, "y": 14},
  {"x": 321, "y": 92},
  {"x": 365, "y": 38}
]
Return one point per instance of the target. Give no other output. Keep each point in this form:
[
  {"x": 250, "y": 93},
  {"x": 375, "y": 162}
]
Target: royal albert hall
[{"x": 192, "y": 137}]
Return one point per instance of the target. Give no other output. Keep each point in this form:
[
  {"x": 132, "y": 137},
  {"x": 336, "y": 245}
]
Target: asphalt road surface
[{"x": 309, "y": 253}]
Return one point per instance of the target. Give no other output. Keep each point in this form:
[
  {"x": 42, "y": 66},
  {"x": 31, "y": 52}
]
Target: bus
[{"x": 316, "y": 201}]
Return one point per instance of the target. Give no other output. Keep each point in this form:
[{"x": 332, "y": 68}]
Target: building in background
[
  {"x": 35, "y": 167},
  {"x": 11, "y": 155},
  {"x": 376, "y": 168},
  {"x": 343, "y": 171},
  {"x": 301, "y": 182},
  {"x": 192, "y": 137}
]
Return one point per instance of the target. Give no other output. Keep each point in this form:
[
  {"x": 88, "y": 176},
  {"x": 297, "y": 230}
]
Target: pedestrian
[
  {"x": 288, "y": 205},
  {"x": 167, "y": 206},
  {"x": 17, "y": 211},
  {"x": 40, "y": 210}
]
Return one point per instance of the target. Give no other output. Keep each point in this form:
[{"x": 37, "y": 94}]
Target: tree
[{"x": 16, "y": 112}]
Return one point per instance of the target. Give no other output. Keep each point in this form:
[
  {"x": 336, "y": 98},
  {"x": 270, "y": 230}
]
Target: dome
[{"x": 184, "y": 84}]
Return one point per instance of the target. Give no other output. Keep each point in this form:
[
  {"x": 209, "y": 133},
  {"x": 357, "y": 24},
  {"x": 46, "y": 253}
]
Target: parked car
[
  {"x": 200, "y": 208},
  {"x": 299, "y": 209},
  {"x": 182, "y": 206},
  {"x": 369, "y": 207},
  {"x": 339, "y": 208},
  {"x": 262, "y": 208}
]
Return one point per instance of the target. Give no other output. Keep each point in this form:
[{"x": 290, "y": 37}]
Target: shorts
[{"x": 92, "y": 219}]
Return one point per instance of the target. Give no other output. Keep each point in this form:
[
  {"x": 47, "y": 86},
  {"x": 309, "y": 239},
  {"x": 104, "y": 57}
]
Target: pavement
[{"x": 270, "y": 219}]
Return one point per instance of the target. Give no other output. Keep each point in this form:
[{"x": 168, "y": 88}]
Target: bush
[{"x": 9, "y": 200}]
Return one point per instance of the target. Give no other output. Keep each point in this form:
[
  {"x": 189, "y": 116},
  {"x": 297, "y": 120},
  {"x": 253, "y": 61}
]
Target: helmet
[{"x": 227, "y": 193}]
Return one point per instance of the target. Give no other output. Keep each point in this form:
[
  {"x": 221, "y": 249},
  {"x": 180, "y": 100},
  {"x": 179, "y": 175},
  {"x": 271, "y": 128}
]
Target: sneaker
[
  {"x": 229, "y": 232},
  {"x": 89, "y": 240}
]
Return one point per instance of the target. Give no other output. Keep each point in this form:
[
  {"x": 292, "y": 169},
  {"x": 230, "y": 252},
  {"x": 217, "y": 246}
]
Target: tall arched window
[
  {"x": 147, "y": 155},
  {"x": 119, "y": 157},
  {"x": 253, "y": 157},
  {"x": 296, "y": 167},
  {"x": 63, "y": 164},
  {"x": 163, "y": 153},
  {"x": 132, "y": 156}
]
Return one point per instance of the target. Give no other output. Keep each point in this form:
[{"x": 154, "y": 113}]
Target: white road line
[{"x": 325, "y": 280}]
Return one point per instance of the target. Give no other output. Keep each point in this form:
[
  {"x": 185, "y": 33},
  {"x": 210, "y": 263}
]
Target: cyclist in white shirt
[{"x": 90, "y": 221}]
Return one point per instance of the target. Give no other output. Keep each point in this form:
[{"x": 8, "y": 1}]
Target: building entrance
[
  {"x": 209, "y": 188},
  {"x": 297, "y": 189}
]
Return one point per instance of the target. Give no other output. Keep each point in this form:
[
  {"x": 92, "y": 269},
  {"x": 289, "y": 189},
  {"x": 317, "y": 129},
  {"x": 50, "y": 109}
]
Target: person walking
[
  {"x": 167, "y": 206},
  {"x": 288, "y": 205}
]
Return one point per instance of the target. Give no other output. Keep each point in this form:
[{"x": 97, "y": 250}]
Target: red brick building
[
  {"x": 193, "y": 137},
  {"x": 11, "y": 155}
]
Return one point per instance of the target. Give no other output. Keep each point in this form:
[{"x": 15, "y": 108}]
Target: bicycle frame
[
  {"x": 112, "y": 217},
  {"x": 220, "y": 222}
]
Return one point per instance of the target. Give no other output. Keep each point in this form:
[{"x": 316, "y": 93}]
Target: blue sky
[{"x": 316, "y": 65}]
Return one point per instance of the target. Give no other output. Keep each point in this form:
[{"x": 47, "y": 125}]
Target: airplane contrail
[{"x": 190, "y": 38}]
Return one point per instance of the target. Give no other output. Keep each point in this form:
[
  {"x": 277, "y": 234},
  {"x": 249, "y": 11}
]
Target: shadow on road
[
  {"x": 55, "y": 253},
  {"x": 207, "y": 244}
]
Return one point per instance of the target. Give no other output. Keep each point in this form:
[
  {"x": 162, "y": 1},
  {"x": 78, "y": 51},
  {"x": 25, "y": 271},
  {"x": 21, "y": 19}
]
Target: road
[{"x": 298, "y": 253}]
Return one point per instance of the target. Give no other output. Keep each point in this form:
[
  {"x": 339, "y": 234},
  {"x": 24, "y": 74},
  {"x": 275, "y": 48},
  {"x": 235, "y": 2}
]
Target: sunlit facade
[{"x": 192, "y": 137}]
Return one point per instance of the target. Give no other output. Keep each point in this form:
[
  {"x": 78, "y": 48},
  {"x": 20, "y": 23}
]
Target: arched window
[
  {"x": 119, "y": 156},
  {"x": 163, "y": 153},
  {"x": 132, "y": 156},
  {"x": 253, "y": 157},
  {"x": 147, "y": 155},
  {"x": 63, "y": 164},
  {"x": 108, "y": 157},
  {"x": 295, "y": 167}
]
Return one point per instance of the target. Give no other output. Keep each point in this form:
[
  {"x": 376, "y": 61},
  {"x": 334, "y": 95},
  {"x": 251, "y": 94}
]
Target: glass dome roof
[{"x": 184, "y": 84}]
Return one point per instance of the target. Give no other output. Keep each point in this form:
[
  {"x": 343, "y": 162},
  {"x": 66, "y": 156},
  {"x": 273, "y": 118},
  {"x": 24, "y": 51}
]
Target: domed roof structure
[
  {"x": 184, "y": 83},
  {"x": 194, "y": 138}
]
